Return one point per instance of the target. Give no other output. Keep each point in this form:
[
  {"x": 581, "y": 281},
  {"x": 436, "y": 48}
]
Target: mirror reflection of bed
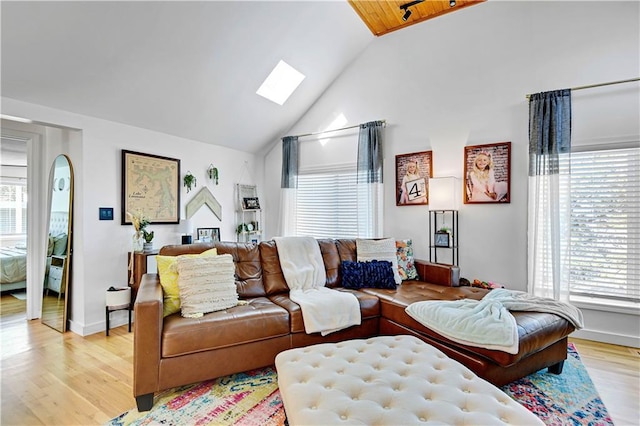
[
  {"x": 55, "y": 293},
  {"x": 54, "y": 286}
]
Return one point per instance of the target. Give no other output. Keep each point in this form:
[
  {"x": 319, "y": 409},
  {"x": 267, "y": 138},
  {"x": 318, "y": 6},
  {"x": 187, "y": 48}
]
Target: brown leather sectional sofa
[{"x": 174, "y": 351}]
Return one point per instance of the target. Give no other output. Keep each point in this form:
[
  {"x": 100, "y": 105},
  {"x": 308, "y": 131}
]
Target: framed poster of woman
[
  {"x": 412, "y": 178},
  {"x": 487, "y": 171}
]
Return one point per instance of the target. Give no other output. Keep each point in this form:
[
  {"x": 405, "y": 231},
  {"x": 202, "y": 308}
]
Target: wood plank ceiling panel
[{"x": 384, "y": 16}]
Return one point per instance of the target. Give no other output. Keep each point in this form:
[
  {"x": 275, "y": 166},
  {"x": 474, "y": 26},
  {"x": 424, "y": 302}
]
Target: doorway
[
  {"x": 17, "y": 140},
  {"x": 13, "y": 222}
]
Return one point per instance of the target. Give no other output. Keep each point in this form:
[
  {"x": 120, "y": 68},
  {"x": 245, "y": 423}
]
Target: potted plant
[
  {"x": 189, "y": 181},
  {"x": 148, "y": 238},
  {"x": 139, "y": 222},
  {"x": 213, "y": 173}
]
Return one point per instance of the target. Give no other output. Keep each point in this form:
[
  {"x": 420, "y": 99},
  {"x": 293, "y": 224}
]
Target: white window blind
[
  {"x": 327, "y": 204},
  {"x": 13, "y": 209},
  {"x": 605, "y": 224}
]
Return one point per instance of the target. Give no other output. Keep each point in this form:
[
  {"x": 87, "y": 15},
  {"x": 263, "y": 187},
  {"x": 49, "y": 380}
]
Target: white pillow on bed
[
  {"x": 50, "y": 247},
  {"x": 60, "y": 245}
]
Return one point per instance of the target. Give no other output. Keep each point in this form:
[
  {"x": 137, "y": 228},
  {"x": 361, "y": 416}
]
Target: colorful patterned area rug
[
  {"x": 569, "y": 398},
  {"x": 252, "y": 398}
]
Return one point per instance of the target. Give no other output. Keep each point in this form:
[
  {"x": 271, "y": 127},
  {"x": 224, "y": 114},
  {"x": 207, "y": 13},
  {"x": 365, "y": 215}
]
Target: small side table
[{"x": 118, "y": 299}]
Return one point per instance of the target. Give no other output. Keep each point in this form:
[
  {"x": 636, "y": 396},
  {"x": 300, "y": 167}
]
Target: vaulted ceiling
[{"x": 189, "y": 69}]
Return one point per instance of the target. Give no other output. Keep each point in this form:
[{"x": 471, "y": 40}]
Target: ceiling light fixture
[
  {"x": 405, "y": 7},
  {"x": 452, "y": 3}
]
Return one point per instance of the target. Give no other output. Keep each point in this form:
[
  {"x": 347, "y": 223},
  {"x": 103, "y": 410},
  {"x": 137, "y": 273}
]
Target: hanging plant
[
  {"x": 189, "y": 181},
  {"x": 213, "y": 173}
]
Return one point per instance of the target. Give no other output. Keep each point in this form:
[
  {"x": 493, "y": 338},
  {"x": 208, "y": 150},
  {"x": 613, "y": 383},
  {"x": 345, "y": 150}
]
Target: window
[
  {"x": 605, "y": 225},
  {"x": 13, "y": 209},
  {"x": 281, "y": 83},
  {"x": 327, "y": 204}
]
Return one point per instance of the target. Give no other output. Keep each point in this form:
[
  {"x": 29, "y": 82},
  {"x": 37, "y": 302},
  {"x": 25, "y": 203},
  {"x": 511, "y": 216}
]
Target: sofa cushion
[
  {"x": 384, "y": 249},
  {"x": 369, "y": 307},
  {"x": 168, "y": 272},
  {"x": 272, "y": 275},
  {"x": 259, "y": 319},
  {"x": 331, "y": 260},
  {"x": 246, "y": 257},
  {"x": 206, "y": 284},
  {"x": 347, "y": 249},
  {"x": 374, "y": 274},
  {"x": 406, "y": 263}
]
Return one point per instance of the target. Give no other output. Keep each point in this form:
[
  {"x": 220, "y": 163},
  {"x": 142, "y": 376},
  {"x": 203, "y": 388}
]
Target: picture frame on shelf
[
  {"x": 442, "y": 239},
  {"x": 250, "y": 203},
  {"x": 208, "y": 235},
  {"x": 487, "y": 173},
  {"x": 150, "y": 184},
  {"x": 412, "y": 178}
]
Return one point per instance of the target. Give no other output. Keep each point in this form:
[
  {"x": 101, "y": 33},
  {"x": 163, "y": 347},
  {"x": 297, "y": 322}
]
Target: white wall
[
  {"x": 100, "y": 247},
  {"x": 461, "y": 79}
]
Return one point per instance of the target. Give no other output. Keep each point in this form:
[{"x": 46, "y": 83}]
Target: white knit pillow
[
  {"x": 206, "y": 284},
  {"x": 379, "y": 250}
]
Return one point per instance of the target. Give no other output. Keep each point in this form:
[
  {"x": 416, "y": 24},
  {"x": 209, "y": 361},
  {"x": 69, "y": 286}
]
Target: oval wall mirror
[{"x": 55, "y": 294}]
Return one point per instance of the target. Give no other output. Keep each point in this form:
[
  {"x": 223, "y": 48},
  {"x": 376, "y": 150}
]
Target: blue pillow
[
  {"x": 352, "y": 276},
  {"x": 371, "y": 274}
]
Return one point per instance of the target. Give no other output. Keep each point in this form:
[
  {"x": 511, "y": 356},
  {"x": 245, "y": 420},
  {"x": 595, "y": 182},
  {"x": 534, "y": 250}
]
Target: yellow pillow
[{"x": 168, "y": 271}]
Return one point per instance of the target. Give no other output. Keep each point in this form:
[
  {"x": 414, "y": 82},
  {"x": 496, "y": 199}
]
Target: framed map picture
[
  {"x": 150, "y": 185},
  {"x": 412, "y": 178}
]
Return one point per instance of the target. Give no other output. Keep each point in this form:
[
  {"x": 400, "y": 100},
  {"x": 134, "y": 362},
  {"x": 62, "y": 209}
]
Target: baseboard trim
[
  {"x": 118, "y": 318},
  {"x": 614, "y": 339}
]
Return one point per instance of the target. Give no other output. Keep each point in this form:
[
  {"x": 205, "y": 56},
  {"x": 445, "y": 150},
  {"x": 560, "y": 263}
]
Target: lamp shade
[
  {"x": 444, "y": 193},
  {"x": 186, "y": 228}
]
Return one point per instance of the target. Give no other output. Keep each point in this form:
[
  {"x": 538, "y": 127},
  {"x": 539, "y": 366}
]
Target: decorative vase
[
  {"x": 147, "y": 246},
  {"x": 138, "y": 242}
]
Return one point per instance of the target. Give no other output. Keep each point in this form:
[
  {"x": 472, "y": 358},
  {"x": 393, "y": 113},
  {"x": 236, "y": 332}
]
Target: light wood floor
[{"x": 50, "y": 378}]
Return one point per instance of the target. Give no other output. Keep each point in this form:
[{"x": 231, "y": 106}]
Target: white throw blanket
[
  {"x": 323, "y": 310},
  {"x": 487, "y": 323}
]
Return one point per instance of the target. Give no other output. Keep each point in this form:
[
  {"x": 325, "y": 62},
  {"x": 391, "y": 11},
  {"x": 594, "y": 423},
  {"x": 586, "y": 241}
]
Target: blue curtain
[
  {"x": 289, "y": 162},
  {"x": 549, "y": 130},
  {"x": 370, "y": 187},
  {"x": 370, "y": 152},
  {"x": 549, "y": 212}
]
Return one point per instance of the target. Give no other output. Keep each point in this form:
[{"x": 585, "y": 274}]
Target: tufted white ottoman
[{"x": 388, "y": 380}]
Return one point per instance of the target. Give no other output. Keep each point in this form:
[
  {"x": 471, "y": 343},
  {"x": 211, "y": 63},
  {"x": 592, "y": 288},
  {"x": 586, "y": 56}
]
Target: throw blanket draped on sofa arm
[
  {"x": 487, "y": 323},
  {"x": 323, "y": 310}
]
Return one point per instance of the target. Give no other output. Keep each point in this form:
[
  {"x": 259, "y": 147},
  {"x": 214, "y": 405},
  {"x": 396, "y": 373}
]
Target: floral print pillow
[{"x": 406, "y": 265}]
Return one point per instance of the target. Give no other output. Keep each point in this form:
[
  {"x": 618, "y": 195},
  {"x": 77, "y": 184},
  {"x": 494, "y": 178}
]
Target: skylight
[{"x": 281, "y": 83}]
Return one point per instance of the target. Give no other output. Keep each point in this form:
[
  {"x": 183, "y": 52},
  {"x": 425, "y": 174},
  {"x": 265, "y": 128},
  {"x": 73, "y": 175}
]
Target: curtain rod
[
  {"x": 597, "y": 85},
  {"x": 384, "y": 123}
]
